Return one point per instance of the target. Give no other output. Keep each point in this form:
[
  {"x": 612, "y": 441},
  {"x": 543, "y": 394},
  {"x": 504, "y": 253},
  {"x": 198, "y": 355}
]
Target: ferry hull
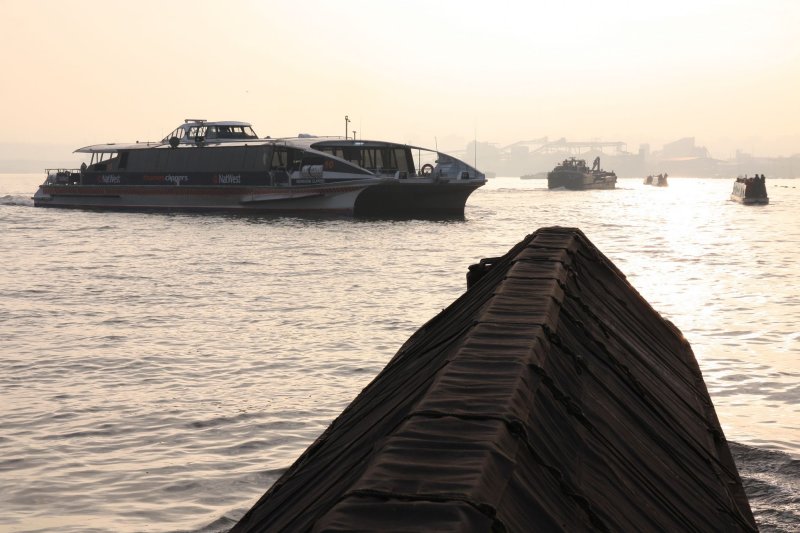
[
  {"x": 330, "y": 199},
  {"x": 212, "y": 166},
  {"x": 412, "y": 197},
  {"x": 385, "y": 198}
]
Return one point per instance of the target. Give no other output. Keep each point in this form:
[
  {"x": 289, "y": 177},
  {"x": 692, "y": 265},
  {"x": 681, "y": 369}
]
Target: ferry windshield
[
  {"x": 386, "y": 159},
  {"x": 212, "y": 131},
  {"x": 230, "y": 132}
]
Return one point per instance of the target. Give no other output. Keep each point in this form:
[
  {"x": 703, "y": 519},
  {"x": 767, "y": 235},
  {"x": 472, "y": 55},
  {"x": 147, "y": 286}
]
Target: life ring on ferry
[{"x": 426, "y": 169}]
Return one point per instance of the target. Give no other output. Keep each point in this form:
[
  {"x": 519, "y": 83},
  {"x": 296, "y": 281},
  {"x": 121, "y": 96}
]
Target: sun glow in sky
[{"x": 81, "y": 72}]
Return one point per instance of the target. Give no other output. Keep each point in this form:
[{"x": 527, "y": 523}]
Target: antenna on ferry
[
  {"x": 346, "y": 122},
  {"x": 475, "y": 151}
]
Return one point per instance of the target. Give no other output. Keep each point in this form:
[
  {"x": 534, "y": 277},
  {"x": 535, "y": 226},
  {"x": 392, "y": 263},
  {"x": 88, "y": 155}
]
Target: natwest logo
[
  {"x": 229, "y": 178},
  {"x": 110, "y": 178}
]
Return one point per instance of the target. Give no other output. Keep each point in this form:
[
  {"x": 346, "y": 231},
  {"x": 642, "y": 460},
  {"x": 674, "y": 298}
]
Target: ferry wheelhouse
[{"x": 204, "y": 165}]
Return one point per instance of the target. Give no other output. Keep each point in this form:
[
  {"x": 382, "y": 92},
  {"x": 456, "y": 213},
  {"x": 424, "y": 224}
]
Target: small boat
[
  {"x": 750, "y": 190},
  {"x": 573, "y": 174},
  {"x": 203, "y": 166},
  {"x": 657, "y": 181}
]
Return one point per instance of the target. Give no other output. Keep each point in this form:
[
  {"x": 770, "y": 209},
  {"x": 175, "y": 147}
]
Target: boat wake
[
  {"x": 771, "y": 480},
  {"x": 13, "y": 199}
]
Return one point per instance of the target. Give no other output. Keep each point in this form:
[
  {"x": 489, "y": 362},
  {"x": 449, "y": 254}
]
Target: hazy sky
[{"x": 726, "y": 72}]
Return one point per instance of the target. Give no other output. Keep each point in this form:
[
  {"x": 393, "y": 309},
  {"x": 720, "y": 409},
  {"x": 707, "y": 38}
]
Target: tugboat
[
  {"x": 657, "y": 181},
  {"x": 750, "y": 190},
  {"x": 573, "y": 174},
  {"x": 211, "y": 166}
]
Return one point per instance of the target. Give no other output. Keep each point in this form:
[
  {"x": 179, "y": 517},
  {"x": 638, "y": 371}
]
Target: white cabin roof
[
  {"x": 216, "y": 123},
  {"x": 115, "y": 147}
]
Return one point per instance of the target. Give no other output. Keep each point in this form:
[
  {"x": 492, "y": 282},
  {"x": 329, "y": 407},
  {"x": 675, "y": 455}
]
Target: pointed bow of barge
[{"x": 550, "y": 396}]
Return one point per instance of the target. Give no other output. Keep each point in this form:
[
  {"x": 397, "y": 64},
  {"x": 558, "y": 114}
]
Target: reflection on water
[{"x": 160, "y": 371}]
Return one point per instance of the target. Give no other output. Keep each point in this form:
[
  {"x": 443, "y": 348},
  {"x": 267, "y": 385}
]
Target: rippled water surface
[{"x": 160, "y": 371}]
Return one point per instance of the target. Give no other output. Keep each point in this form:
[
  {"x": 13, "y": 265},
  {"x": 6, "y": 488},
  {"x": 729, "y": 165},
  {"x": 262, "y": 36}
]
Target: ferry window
[
  {"x": 197, "y": 131},
  {"x": 212, "y": 159},
  {"x": 279, "y": 159},
  {"x": 177, "y": 160},
  {"x": 143, "y": 160},
  {"x": 353, "y": 155},
  {"x": 233, "y": 158},
  {"x": 235, "y": 132},
  {"x": 111, "y": 163},
  {"x": 163, "y": 159},
  {"x": 175, "y": 133},
  {"x": 198, "y": 160},
  {"x": 295, "y": 158},
  {"x": 387, "y": 159},
  {"x": 367, "y": 158},
  {"x": 403, "y": 159},
  {"x": 313, "y": 159},
  {"x": 255, "y": 157},
  {"x": 123, "y": 160}
]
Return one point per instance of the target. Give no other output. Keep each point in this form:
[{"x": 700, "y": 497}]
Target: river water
[{"x": 160, "y": 371}]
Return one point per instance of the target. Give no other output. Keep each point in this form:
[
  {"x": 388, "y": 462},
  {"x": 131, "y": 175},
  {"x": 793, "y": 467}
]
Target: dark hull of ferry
[
  {"x": 369, "y": 197},
  {"x": 579, "y": 181},
  {"x": 412, "y": 198},
  {"x": 331, "y": 199}
]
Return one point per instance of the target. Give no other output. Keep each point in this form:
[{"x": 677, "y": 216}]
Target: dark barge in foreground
[
  {"x": 573, "y": 174},
  {"x": 549, "y": 397},
  {"x": 213, "y": 166}
]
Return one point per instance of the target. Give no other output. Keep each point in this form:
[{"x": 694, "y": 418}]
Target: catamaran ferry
[{"x": 205, "y": 166}]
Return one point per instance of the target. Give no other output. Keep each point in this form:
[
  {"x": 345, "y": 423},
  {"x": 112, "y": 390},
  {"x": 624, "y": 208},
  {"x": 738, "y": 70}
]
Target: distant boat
[
  {"x": 537, "y": 176},
  {"x": 573, "y": 174},
  {"x": 750, "y": 190},
  {"x": 657, "y": 181}
]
